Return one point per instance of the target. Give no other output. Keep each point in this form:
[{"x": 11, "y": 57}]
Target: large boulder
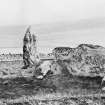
[
  {"x": 30, "y": 55},
  {"x": 86, "y": 60}
]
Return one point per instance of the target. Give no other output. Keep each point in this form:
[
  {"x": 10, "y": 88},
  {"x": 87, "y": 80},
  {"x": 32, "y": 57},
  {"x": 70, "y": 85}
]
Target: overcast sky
[
  {"x": 80, "y": 20},
  {"x": 37, "y": 11}
]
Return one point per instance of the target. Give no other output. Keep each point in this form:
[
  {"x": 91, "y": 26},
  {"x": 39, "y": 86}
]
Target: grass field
[{"x": 18, "y": 87}]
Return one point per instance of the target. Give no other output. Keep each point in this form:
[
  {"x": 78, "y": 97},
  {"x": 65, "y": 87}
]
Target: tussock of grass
[{"x": 58, "y": 99}]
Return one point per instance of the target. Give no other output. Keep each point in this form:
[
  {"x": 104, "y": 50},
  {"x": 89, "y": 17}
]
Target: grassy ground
[{"x": 54, "y": 90}]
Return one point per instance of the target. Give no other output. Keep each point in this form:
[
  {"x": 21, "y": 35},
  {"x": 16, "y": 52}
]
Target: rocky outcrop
[
  {"x": 30, "y": 56},
  {"x": 86, "y": 60}
]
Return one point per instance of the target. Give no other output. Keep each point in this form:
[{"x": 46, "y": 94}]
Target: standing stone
[
  {"x": 34, "y": 57},
  {"x": 30, "y": 56}
]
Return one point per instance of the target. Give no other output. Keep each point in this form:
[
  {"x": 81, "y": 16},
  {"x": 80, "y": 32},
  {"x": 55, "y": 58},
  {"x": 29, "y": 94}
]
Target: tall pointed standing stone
[
  {"x": 30, "y": 56},
  {"x": 34, "y": 57}
]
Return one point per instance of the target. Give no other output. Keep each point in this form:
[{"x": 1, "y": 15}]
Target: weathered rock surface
[
  {"x": 30, "y": 56},
  {"x": 86, "y": 60},
  {"x": 47, "y": 67}
]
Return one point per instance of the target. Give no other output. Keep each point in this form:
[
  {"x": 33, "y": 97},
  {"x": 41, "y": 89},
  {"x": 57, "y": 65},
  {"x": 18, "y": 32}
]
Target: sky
[
  {"x": 19, "y": 12},
  {"x": 57, "y": 22}
]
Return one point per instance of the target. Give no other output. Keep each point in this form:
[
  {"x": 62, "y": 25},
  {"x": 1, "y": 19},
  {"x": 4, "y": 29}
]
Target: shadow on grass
[{"x": 17, "y": 87}]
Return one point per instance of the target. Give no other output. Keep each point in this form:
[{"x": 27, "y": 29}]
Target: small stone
[{"x": 103, "y": 88}]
